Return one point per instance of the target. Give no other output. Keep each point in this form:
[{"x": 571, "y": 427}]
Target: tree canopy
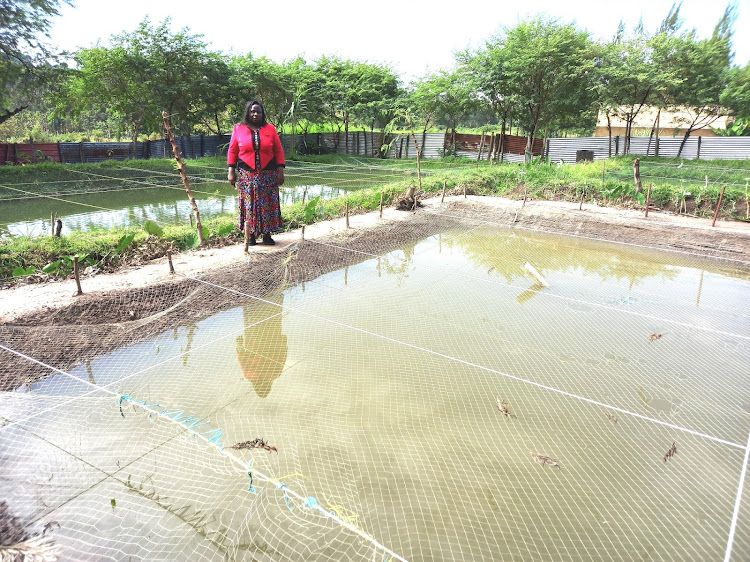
[
  {"x": 542, "y": 75},
  {"x": 24, "y": 28}
]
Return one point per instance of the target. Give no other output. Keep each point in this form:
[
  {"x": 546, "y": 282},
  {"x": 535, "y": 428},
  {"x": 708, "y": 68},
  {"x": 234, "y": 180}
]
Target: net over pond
[{"x": 444, "y": 390}]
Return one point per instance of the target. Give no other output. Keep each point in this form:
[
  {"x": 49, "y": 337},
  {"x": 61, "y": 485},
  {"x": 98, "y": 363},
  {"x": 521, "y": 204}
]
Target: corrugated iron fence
[{"x": 369, "y": 143}]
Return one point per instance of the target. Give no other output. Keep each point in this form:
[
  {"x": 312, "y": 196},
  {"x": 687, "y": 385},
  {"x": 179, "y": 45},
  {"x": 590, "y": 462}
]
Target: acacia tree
[
  {"x": 24, "y": 26},
  {"x": 486, "y": 74},
  {"x": 140, "y": 75},
  {"x": 705, "y": 70},
  {"x": 736, "y": 98},
  {"x": 628, "y": 74},
  {"x": 453, "y": 96},
  {"x": 261, "y": 79},
  {"x": 548, "y": 68},
  {"x": 106, "y": 80}
]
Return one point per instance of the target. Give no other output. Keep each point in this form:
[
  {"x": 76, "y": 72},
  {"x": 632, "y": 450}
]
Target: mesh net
[{"x": 444, "y": 387}]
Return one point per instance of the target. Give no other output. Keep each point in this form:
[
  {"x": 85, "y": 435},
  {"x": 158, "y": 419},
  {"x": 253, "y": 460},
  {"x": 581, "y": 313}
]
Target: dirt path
[{"x": 727, "y": 240}]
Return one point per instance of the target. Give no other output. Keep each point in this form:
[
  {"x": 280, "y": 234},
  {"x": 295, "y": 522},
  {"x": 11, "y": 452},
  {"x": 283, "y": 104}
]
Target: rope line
[
  {"x": 553, "y": 295},
  {"x": 478, "y": 366},
  {"x": 737, "y": 501},
  {"x": 309, "y": 502}
]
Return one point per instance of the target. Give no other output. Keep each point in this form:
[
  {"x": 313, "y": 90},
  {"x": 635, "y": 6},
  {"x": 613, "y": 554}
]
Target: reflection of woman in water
[{"x": 262, "y": 348}]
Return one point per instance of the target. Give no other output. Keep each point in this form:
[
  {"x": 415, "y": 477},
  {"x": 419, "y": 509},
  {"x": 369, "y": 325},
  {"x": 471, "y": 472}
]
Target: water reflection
[{"x": 262, "y": 347}]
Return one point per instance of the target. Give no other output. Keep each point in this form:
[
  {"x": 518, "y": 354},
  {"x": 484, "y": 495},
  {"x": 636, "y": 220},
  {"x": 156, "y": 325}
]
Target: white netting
[{"x": 420, "y": 394}]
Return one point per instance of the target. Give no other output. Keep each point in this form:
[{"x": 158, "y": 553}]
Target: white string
[
  {"x": 737, "y": 501},
  {"x": 476, "y": 365},
  {"x": 241, "y": 464}
]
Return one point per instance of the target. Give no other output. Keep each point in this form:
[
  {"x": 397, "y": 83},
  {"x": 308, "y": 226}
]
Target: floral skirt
[{"x": 259, "y": 201}]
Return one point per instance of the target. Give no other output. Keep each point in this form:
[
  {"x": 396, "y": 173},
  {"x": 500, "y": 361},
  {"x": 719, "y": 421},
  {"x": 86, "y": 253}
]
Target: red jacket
[{"x": 241, "y": 146}]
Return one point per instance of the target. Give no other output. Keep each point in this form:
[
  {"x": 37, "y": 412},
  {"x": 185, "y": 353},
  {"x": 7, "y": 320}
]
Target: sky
[{"x": 413, "y": 37}]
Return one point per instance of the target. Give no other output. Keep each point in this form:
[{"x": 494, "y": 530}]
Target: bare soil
[{"x": 50, "y": 323}]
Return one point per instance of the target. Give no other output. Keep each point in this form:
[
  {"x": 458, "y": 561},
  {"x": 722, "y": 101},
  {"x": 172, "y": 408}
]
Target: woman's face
[{"x": 256, "y": 115}]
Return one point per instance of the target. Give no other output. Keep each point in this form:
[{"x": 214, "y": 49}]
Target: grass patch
[{"x": 691, "y": 187}]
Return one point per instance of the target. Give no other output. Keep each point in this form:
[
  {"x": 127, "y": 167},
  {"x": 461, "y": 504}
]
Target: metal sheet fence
[
  {"x": 703, "y": 148},
  {"x": 369, "y": 143}
]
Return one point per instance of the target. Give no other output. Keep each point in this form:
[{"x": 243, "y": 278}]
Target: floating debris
[
  {"x": 258, "y": 443},
  {"x": 653, "y": 337},
  {"x": 545, "y": 460},
  {"x": 504, "y": 407},
  {"x": 610, "y": 417},
  {"x": 671, "y": 452}
]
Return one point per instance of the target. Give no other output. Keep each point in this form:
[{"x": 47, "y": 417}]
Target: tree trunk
[
  {"x": 637, "y": 176},
  {"x": 185, "y": 181},
  {"x": 684, "y": 140}
]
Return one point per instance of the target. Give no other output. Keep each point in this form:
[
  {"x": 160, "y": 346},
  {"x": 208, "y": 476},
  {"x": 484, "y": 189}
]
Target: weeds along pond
[{"x": 571, "y": 399}]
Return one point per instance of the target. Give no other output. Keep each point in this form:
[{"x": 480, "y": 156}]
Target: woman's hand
[
  {"x": 280, "y": 176},
  {"x": 231, "y": 176}
]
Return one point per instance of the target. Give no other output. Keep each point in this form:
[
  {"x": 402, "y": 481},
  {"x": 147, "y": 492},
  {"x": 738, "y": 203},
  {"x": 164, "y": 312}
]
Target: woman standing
[{"x": 256, "y": 168}]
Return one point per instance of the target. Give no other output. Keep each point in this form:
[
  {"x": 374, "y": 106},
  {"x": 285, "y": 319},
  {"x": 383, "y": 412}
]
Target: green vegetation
[
  {"x": 678, "y": 186},
  {"x": 543, "y": 76}
]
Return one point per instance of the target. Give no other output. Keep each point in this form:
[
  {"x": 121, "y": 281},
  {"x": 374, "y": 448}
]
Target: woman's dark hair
[{"x": 246, "y": 117}]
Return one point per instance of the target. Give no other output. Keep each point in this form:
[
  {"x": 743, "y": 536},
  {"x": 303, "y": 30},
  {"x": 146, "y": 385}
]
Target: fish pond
[{"x": 479, "y": 394}]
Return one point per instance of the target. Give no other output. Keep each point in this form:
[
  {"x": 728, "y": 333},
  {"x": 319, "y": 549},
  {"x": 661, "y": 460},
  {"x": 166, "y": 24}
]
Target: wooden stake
[
  {"x": 169, "y": 257},
  {"x": 524, "y": 195},
  {"x": 718, "y": 205},
  {"x": 637, "y": 175},
  {"x": 185, "y": 181},
  {"x": 464, "y": 191},
  {"x": 583, "y": 194},
  {"x": 75, "y": 272},
  {"x": 347, "y": 214},
  {"x": 303, "y": 232},
  {"x": 381, "y": 203},
  {"x": 445, "y": 182},
  {"x": 648, "y": 197}
]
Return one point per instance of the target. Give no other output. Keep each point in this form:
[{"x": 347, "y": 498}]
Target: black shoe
[
  {"x": 267, "y": 240},
  {"x": 251, "y": 241}
]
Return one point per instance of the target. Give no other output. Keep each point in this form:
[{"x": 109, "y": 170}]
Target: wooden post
[
  {"x": 185, "y": 181},
  {"x": 481, "y": 146},
  {"x": 346, "y": 209},
  {"x": 445, "y": 182},
  {"x": 583, "y": 194},
  {"x": 464, "y": 190},
  {"x": 171, "y": 265},
  {"x": 304, "y": 194},
  {"x": 58, "y": 228},
  {"x": 381, "y": 203},
  {"x": 75, "y": 272},
  {"x": 419, "y": 164},
  {"x": 718, "y": 205},
  {"x": 525, "y": 192},
  {"x": 648, "y": 197},
  {"x": 637, "y": 175}
]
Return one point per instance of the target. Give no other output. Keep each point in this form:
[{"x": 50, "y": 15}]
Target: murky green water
[
  {"x": 137, "y": 196},
  {"x": 165, "y": 205},
  {"x": 379, "y": 384}
]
